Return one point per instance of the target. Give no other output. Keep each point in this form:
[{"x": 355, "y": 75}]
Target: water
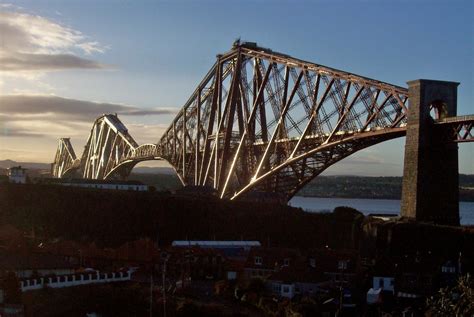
[{"x": 368, "y": 206}]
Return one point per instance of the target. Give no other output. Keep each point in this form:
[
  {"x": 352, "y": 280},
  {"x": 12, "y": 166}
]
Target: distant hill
[
  {"x": 371, "y": 187},
  {"x": 165, "y": 178},
  {"x": 163, "y": 181},
  {"x": 154, "y": 170},
  {"x": 10, "y": 163}
]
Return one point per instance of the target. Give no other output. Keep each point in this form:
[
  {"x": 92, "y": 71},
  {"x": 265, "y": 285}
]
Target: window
[
  {"x": 258, "y": 260},
  {"x": 286, "y": 262},
  {"x": 276, "y": 287},
  {"x": 342, "y": 265},
  {"x": 381, "y": 282},
  {"x": 286, "y": 289},
  {"x": 391, "y": 282},
  {"x": 312, "y": 262}
]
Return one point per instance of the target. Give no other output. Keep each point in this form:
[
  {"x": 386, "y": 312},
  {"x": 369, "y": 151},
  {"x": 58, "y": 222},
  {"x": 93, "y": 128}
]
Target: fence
[{"x": 73, "y": 280}]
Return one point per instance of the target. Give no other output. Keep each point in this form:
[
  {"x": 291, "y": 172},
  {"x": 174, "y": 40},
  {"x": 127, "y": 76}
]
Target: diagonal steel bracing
[
  {"x": 259, "y": 121},
  {"x": 265, "y": 121},
  {"x": 110, "y": 152}
]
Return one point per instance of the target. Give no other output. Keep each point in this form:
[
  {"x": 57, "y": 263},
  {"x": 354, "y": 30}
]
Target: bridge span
[{"x": 265, "y": 121}]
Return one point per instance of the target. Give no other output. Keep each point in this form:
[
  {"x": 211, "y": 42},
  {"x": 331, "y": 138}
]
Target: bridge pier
[{"x": 430, "y": 191}]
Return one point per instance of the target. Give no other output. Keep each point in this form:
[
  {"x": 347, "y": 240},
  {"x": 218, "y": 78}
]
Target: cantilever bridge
[{"x": 263, "y": 121}]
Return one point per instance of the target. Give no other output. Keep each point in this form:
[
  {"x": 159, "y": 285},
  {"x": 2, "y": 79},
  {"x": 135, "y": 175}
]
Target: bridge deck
[{"x": 464, "y": 118}]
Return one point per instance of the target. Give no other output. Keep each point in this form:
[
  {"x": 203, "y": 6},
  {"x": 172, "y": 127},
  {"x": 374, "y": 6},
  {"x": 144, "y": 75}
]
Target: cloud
[
  {"x": 21, "y": 133},
  {"x": 34, "y": 43},
  {"x": 36, "y": 122},
  {"x": 54, "y": 117},
  {"x": 35, "y": 107},
  {"x": 34, "y": 62},
  {"x": 364, "y": 160}
]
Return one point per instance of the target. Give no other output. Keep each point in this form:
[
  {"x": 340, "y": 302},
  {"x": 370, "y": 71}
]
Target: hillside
[
  {"x": 110, "y": 218},
  {"x": 164, "y": 178},
  {"x": 372, "y": 187}
]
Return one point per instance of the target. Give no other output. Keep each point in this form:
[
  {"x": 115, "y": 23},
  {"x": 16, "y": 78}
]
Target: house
[
  {"x": 299, "y": 278},
  {"x": 234, "y": 252},
  {"x": 383, "y": 282},
  {"x": 17, "y": 175},
  {"x": 450, "y": 271},
  {"x": 263, "y": 262},
  {"x": 234, "y": 269},
  {"x": 384, "y": 273},
  {"x": 231, "y": 249},
  {"x": 319, "y": 271},
  {"x": 28, "y": 265},
  {"x": 194, "y": 262},
  {"x": 197, "y": 191},
  {"x": 98, "y": 184},
  {"x": 417, "y": 276},
  {"x": 11, "y": 238},
  {"x": 339, "y": 266}
]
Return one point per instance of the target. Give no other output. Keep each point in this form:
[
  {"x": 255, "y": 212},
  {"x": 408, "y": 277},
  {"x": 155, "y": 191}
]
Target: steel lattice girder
[
  {"x": 110, "y": 152},
  {"x": 458, "y": 129},
  {"x": 259, "y": 121},
  {"x": 65, "y": 158},
  {"x": 266, "y": 121}
]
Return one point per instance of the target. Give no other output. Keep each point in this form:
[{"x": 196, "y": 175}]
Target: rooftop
[{"x": 215, "y": 244}]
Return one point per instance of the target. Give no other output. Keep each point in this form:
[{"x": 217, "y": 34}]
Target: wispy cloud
[
  {"x": 37, "y": 121},
  {"x": 36, "y": 107},
  {"x": 41, "y": 62},
  {"x": 34, "y": 43}
]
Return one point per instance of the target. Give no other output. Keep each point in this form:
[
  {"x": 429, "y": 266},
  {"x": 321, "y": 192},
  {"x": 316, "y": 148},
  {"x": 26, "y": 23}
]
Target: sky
[{"x": 63, "y": 63}]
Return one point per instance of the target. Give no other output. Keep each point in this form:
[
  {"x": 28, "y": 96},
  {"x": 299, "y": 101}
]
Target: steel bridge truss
[
  {"x": 110, "y": 152},
  {"x": 65, "y": 159},
  {"x": 259, "y": 121},
  {"x": 264, "y": 121},
  {"x": 458, "y": 129}
]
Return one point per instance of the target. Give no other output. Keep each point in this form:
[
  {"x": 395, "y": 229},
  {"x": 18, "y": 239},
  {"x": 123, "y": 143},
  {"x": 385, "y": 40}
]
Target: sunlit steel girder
[
  {"x": 65, "y": 159},
  {"x": 110, "y": 152},
  {"x": 458, "y": 129},
  {"x": 259, "y": 121},
  {"x": 262, "y": 120}
]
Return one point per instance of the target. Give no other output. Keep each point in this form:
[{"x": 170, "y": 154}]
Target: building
[
  {"x": 193, "y": 263},
  {"x": 383, "y": 282},
  {"x": 197, "y": 191},
  {"x": 26, "y": 266},
  {"x": 299, "y": 278},
  {"x": 232, "y": 249},
  {"x": 339, "y": 266},
  {"x": 98, "y": 184},
  {"x": 288, "y": 273},
  {"x": 17, "y": 175},
  {"x": 234, "y": 252},
  {"x": 263, "y": 262}
]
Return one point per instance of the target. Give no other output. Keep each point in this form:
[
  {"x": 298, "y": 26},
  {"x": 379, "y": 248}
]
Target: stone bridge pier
[{"x": 430, "y": 191}]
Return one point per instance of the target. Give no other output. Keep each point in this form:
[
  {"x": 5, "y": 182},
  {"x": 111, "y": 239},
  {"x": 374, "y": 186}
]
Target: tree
[
  {"x": 453, "y": 301},
  {"x": 11, "y": 286}
]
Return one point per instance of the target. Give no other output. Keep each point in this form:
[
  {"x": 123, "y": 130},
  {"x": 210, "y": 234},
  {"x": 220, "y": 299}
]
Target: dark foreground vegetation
[
  {"x": 108, "y": 219},
  {"x": 111, "y": 218}
]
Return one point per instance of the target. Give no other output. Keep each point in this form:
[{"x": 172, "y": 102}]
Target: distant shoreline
[{"x": 368, "y": 198}]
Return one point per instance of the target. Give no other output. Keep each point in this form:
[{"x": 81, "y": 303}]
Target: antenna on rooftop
[{"x": 236, "y": 42}]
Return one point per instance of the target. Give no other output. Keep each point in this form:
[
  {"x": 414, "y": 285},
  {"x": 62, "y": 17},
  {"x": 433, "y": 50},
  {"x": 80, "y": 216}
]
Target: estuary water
[{"x": 370, "y": 206}]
